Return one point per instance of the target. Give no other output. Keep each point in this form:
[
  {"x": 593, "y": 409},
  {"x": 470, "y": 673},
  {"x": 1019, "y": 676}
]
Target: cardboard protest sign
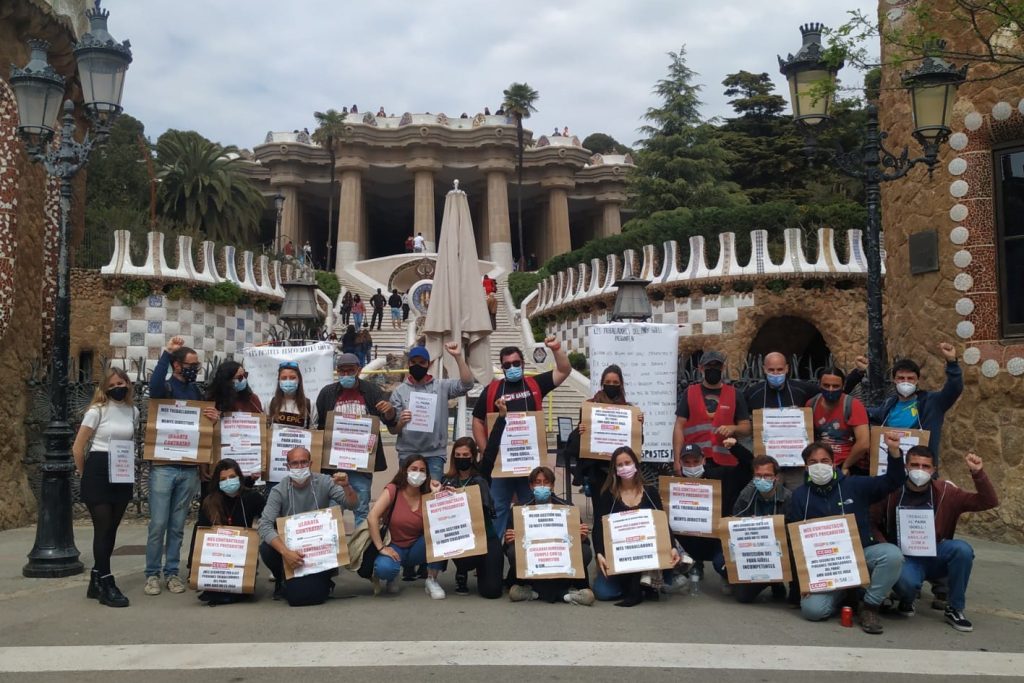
[
  {"x": 880, "y": 454},
  {"x": 828, "y": 554},
  {"x": 320, "y": 535},
  {"x": 694, "y": 506},
  {"x": 350, "y": 443},
  {"x": 523, "y": 444},
  {"x": 283, "y": 438},
  {"x": 453, "y": 524},
  {"x": 607, "y": 427},
  {"x": 178, "y": 433},
  {"x": 783, "y": 433},
  {"x": 224, "y": 559},
  {"x": 637, "y": 541},
  {"x": 756, "y": 549},
  {"x": 240, "y": 436},
  {"x": 548, "y": 542}
]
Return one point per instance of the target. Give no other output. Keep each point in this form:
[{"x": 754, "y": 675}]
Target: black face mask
[
  {"x": 612, "y": 391},
  {"x": 118, "y": 393},
  {"x": 712, "y": 375},
  {"x": 418, "y": 372},
  {"x": 463, "y": 464},
  {"x": 189, "y": 374}
]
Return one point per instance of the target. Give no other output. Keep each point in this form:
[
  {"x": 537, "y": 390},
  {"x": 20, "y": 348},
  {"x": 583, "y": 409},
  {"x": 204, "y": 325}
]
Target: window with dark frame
[{"x": 1009, "y": 186}]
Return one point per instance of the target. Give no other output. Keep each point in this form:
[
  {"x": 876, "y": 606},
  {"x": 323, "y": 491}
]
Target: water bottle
[{"x": 694, "y": 583}]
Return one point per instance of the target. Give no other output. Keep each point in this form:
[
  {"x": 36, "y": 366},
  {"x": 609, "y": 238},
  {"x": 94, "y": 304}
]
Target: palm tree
[
  {"x": 201, "y": 185},
  {"x": 518, "y": 102},
  {"x": 330, "y": 128}
]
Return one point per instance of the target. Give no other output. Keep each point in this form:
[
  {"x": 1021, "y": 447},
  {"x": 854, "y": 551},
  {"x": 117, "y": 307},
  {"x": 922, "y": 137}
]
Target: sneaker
[
  {"x": 519, "y": 593},
  {"x": 905, "y": 609},
  {"x": 583, "y": 597},
  {"x": 646, "y": 580},
  {"x": 392, "y": 587},
  {"x": 409, "y": 574},
  {"x": 869, "y": 620},
  {"x": 278, "y": 589},
  {"x": 175, "y": 584},
  {"x": 462, "y": 584},
  {"x": 433, "y": 589},
  {"x": 958, "y": 621},
  {"x": 152, "y": 586}
]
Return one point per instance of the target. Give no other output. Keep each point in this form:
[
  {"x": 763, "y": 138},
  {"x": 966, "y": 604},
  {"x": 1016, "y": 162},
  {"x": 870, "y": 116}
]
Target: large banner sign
[
  {"x": 648, "y": 355},
  {"x": 316, "y": 363}
]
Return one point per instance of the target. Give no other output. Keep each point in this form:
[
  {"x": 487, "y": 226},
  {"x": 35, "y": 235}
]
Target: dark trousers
[
  {"x": 378, "y": 317},
  {"x": 551, "y": 590},
  {"x": 300, "y": 591},
  {"x": 702, "y": 549},
  {"x": 488, "y": 569}
]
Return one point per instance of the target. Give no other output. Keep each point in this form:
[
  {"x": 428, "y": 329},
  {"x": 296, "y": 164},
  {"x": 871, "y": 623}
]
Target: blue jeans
[
  {"x": 358, "y": 320},
  {"x": 387, "y": 569},
  {"x": 171, "y": 490},
  {"x": 954, "y": 559},
  {"x": 435, "y": 466},
  {"x": 361, "y": 482},
  {"x": 502, "y": 490},
  {"x": 884, "y": 561}
]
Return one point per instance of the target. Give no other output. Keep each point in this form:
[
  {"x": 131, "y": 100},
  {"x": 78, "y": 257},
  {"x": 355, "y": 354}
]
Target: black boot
[
  {"x": 94, "y": 586},
  {"x": 631, "y": 592},
  {"x": 110, "y": 594},
  {"x": 461, "y": 583}
]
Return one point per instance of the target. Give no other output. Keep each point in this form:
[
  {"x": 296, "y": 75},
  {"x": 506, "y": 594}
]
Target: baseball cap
[
  {"x": 348, "y": 359},
  {"x": 691, "y": 449},
  {"x": 712, "y": 357},
  {"x": 419, "y": 352}
]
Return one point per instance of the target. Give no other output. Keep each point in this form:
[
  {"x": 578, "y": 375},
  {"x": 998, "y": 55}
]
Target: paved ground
[{"x": 48, "y": 628}]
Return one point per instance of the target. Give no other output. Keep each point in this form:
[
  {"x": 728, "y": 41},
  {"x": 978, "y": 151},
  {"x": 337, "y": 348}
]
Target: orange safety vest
[{"x": 701, "y": 426}]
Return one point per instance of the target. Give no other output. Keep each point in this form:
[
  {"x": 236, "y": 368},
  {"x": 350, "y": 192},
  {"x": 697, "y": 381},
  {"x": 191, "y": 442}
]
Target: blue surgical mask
[
  {"x": 831, "y": 395},
  {"x": 347, "y": 381},
  {"x": 289, "y": 386},
  {"x": 764, "y": 485},
  {"x": 514, "y": 374},
  {"x": 776, "y": 381},
  {"x": 241, "y": 384},
  {"x": 542, "y": 494},
  {"x": 230, "y": 486}
]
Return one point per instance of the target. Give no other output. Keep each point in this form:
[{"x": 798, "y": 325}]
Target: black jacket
[
  {"x": 372, "y": 394},
  {"x": 733, "y": 478}
]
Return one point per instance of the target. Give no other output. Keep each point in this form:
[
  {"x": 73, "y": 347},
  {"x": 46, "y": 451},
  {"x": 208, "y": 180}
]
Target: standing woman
[
  {"x": 623, "y": 490},
  {"x": 348, "y": 340},
  {"x": 229, "y": 390},
  {"x": 346, "y": 307},
  {"x": 358, "y": 311},
  {"x": 110, "y": 416},
  {"x": 290, "y": 405}
]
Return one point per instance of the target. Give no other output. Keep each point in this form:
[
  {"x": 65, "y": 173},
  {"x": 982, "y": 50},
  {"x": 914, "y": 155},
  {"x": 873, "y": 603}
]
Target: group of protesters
[{"x": 713, "y": 421}]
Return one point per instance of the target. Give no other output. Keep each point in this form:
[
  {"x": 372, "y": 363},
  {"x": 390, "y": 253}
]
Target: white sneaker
[
  {"x": 433, "y": 589},
  {"x": 583, "y": 597},
  {"x": 175, "y": 584},
  {"x": 394, "y": 588},
  {"x": 518, "y": 593},
  {"x": 152, "y": 586}
]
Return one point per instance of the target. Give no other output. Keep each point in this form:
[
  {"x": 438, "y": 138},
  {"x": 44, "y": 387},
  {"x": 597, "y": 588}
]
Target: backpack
[{"x": 847, "y": 406}]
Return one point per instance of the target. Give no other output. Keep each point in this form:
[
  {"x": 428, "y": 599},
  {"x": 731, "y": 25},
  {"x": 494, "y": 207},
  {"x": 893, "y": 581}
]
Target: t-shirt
[
  {"x": 395, "y": 301},
  {"x": 113, "y": 420},
  {"x": 418, "y": 242},
  {"x": 288, "y": 414},
  {"x": 377, "y": 301},
  {"x": 350, "y": 403},
  {"x": 406, "y": 524},
  {"x": 904, "y": 415},
  {"x": 711, "y": 399},
  {"x": 830, "y": 427},
  {"x": 517, "y": 395}
]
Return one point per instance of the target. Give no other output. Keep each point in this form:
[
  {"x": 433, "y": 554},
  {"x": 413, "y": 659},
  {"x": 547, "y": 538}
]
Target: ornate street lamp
[
  {"x": 631, "y": 300},
  {"x": 38, "y": 89},
  {"x": 933, "y": 89},
  {"x": 299, "y": 314}
]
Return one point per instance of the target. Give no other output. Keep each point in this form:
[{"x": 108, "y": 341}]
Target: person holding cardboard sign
[
  {"x": 230, "y": 392},
  {"x": 708, "y": 413},
  {"x": 828, "y": 493},
  {"x": 302, "y": 491},
  {"x": 104, "y": 452},
  {"x": 921, "y": 517}
]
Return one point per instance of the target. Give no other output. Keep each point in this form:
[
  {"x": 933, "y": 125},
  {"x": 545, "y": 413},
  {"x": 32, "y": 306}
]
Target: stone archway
[{"x": 796, "y": 338}]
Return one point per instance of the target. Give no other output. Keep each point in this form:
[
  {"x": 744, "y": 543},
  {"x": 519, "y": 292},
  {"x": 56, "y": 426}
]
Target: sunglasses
[
  {"x": 290, "y": 364},
  {"x": 511, "y": 364}
]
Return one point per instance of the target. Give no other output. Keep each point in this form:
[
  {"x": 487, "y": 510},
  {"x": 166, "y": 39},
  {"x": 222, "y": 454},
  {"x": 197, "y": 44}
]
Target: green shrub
[
  {"x": 134, "y": 291},
  {"x": 777, "y": 286},
  {"x": 520, "y": 284},
  {"x": 220, "y": 294},
  {"x": 176, "y": 292},
  {"x": 328, "y": 284},
  {"x": 537, "y": 324},
  {"x": 578, "y": 361},
  {"x": 742, "y": 286}
]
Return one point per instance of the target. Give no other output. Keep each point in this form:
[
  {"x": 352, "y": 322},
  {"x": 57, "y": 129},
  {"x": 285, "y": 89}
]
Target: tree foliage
[
  {"x": 518, "y": 101},
  {"x": 602, "y": 143}
]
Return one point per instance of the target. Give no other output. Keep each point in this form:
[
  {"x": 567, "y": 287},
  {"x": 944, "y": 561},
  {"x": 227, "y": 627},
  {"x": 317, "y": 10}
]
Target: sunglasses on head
[
  {"x": 511, "y": 364},
  {"x": 290, "y": 364}
]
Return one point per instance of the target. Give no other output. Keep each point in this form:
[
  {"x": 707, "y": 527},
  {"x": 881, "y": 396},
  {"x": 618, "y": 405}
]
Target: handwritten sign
[
  {"x": 423, "y": 407},
  {"x": 828, "y": 554},
  {"x": 694, "y": 505},
  {"x": 916, "y": 532},
  {"x": 121, "y": 461}
]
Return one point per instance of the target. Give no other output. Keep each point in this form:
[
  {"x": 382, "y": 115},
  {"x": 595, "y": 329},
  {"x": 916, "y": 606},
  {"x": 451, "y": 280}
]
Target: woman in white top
[
  {"x": 290, "y": 405},
  {"x": 108, "y": 426}
]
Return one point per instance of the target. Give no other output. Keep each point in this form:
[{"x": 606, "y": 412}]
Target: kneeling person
[{"x": 764, "y": 496}]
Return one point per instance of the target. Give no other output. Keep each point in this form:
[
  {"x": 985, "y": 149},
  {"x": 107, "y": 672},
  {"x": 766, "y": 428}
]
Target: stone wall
[{"x": 959, "y": 303}]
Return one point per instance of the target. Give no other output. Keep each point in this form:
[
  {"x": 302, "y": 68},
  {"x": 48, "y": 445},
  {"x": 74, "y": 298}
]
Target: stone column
[
  {"x": 559, "y": 240},
  {"x": 423, "y": 208},
  {"x": 350, "y": 212},
  {"x": 290, "y": 214},
  {"x": 611, "y": 219},
  {"x": 499, "y": 233}
]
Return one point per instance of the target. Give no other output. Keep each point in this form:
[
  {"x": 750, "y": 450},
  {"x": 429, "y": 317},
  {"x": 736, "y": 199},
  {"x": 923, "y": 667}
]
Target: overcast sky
[{"x": 234, "y": 70}]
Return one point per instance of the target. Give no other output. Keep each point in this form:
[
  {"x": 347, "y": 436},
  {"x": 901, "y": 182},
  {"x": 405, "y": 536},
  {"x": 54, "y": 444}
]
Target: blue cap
[{"x": 419, "y": 352}]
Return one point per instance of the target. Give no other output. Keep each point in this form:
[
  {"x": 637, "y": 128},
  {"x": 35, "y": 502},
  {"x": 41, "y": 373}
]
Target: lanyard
[
  {"x": 807, "y": 501},
  {"x": 778, "y": 395},
  {"x": 526, "y": 406}
]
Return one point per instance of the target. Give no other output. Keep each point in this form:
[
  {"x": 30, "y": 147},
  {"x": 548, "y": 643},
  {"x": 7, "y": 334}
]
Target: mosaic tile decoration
[{"x": 8, "y": 201}]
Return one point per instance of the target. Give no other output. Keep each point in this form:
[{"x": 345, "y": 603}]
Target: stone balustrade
[
  {"x": 259, "y": 274},
  {"x": 596, "y": 279}
]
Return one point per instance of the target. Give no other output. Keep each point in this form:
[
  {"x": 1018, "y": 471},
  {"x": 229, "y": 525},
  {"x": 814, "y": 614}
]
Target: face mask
[
  {"x": 763, "y": 485},
  {"x": 694, "y": 472},
  {"x": 416, "y": 478},
  {"x": 349, "y": 381},
  {"x": 514, "y": 374},
  {"x": 118, "y": 393},
  {"x": 289, "y": 386},
  {"x": 230, "y": 486},
  {"x": 626, "y": 471},
  {"x": 776, "y": 381},
  {"x": 542, "y": 494},
  {"x": 418, "y": 372},
  {"x": 299, "y": 475},
  {"x": 820, "y": 473},
  {"x": 919, "y": 477},
  {"x": 712, "y": 375},
  {"x": 189, "y": 374},
  {"x": 241, "y": 384},
  {"x": 905, "y": 389},
  {"x": 612, "y": 391},
  {"x": 831, "y": 395},
  {"x": 463, "y": 464}
]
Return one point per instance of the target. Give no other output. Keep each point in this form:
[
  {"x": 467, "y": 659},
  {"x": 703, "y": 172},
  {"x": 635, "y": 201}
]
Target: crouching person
[
  {"x": 301, "y": 491},
  {"x": 764, "y": 496}
]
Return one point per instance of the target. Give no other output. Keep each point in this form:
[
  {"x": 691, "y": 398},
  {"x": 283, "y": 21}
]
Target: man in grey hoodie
[{"x": 301, "y": 491}]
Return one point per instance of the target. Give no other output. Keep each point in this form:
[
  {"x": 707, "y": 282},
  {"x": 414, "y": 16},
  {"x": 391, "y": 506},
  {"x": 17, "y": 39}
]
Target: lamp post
[
  {"x": 39, "y": 89},
  {"x": 279, "y": 206},
  {"x": 631, "y": 300},
  {"x": 933, "y": 87},
  {"x": 299, "y": 314}
]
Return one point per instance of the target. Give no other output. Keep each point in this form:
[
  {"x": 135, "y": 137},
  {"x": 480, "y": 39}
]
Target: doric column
[
  {"x": 350, "y": 212},
  {"x": 290, "y": 213},
  {"x": 611, "y": 212},
  {"x": 558, "y": 240},
  {"x": 423, "y": 209},
  {"x": 499, "y": 234}
]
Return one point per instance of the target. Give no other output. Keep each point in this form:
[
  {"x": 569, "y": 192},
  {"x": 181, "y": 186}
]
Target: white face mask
[
  {"x": 905, "y": 389},
  {"x": 820, "y": 473},
  {"x": 416, "y": 478},
  {"x": 300, "y": 475},
  {"x": 694, "y": 472},
  {"x": 919, "y": 477}
]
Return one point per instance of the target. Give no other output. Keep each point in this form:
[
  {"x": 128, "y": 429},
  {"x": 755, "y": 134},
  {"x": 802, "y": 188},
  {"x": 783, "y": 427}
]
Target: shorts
[{"x": 396, "y": 313}]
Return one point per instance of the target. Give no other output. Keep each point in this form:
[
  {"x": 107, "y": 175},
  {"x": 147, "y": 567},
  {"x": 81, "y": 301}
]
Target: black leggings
[{"x": 106, "y": 517}]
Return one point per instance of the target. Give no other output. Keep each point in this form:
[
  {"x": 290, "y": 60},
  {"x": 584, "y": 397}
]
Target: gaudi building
[{"x": 392, "y": 174}]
